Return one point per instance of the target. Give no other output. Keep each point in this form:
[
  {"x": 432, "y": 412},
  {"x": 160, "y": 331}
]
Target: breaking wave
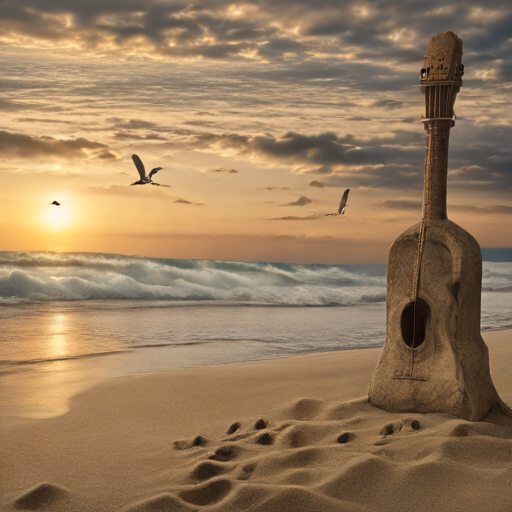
[
  {"x": 47, "y": 276},
  {"x": 497, "y": 277}
]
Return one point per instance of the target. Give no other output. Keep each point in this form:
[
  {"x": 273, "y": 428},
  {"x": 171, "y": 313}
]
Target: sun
[{"x": 57, "y": 217}]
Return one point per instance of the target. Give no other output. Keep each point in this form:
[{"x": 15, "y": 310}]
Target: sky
[{"x": 261, "y": 114}]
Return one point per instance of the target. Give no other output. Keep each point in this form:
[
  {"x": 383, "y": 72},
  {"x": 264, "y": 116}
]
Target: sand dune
[{"x": 294, "y": 434}]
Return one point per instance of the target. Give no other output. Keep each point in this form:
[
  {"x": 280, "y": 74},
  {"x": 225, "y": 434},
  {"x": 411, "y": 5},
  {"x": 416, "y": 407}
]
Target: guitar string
[{"x": 422, "y": 236}]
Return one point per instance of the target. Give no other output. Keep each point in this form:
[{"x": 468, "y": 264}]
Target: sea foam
[
  {"x": 48, "y": 276},
  {"x": 43, "y": 276}
]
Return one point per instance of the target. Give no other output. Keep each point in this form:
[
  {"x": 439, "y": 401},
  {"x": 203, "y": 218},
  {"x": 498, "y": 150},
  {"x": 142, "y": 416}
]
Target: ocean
[{"x": 72, "y": 319}]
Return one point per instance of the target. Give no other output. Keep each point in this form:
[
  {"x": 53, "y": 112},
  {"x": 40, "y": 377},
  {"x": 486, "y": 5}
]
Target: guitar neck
[
  {"x": 436, "y": 170},
  {"x": 441, "y": 78}
]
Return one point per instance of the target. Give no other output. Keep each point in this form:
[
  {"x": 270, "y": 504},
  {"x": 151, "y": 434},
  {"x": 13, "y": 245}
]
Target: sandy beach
[{"x": 290, "y": 434}]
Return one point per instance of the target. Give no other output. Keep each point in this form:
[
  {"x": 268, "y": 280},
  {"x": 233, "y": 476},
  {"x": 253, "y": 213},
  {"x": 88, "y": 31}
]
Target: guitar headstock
[
  {"x": 442, "y": 63},
  {"x": 441, "y": 77}
]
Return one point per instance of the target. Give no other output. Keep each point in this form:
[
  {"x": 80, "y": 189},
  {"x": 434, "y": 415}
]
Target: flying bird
[
  {"x": 343, "y": 203},
  {"x": 144, "y": 180},
  {"x": 56, "y": 203}
]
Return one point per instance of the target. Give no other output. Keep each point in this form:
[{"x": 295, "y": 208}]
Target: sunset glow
[{"x": 57, "y": 217}]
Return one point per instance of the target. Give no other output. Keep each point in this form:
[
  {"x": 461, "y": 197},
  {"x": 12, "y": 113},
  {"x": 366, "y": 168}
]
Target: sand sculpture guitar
[{"x": 434, "y": 358}]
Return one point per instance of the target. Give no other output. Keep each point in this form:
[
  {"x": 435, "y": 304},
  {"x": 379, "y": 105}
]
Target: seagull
[
  {"x": 144, "y": 180},
  {"x": 343, "y": 203},
  {"x": 56, "y": 203}
]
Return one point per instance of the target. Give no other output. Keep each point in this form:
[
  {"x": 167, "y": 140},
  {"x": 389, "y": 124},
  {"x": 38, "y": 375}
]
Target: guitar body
[{"x": 448, "y": 369}]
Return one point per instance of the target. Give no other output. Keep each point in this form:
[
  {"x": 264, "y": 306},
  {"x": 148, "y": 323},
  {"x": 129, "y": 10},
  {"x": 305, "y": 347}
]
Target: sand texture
[{"x": 285, "y": 435}]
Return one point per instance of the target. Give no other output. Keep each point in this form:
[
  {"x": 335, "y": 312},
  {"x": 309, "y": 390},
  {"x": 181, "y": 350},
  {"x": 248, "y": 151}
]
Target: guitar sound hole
[{"x": 414, "y": 323}]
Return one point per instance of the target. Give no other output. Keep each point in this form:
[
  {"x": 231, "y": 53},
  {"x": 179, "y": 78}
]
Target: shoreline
[{"x": 52, "y": 400}]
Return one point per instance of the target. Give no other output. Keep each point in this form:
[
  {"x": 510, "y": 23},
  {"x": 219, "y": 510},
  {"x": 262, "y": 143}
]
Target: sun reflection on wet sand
[
  {"x": 57, "y": 338},
  {"x": 57, "y": 371},
  {"x": 41, "y": 394},
  {"x": 45, "y": 392}
]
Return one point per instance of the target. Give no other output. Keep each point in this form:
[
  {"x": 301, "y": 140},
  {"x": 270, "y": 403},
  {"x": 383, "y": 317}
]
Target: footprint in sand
[
  {"x": 261, "y": 424},
  {"x": 265, "y": 439},
  {"x": 41, "y": 496},
  {"x": 206, "y": 470},
  {"x": 406, "y": 425},
  {"x": 345, "y": 438},
  {"x": 394, "y": 428},
  {"x": 225, "y": 453},
  {"x": 233, "y": 428},
  {"x": 462, "y": 430},
  {"x": 186, "y": 444}
]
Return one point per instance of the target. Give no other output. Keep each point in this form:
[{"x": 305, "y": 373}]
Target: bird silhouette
[
  {"x": 56, "y": 203},
  {"x": 343, "y": 204},
  {"x": 144, "y": 180}
]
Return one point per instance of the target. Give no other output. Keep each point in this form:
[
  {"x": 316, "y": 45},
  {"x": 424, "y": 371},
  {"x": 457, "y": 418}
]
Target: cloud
[
  {"x": 133, "y": 124},
  {"x": 496, "y": 209},
  {"x": 280, "y": 238},
  {"x": 200, "y": 123},
  {"x": 184, "y": 201},
  {"x": 272, "y": 188},
  {"x": 301, "y": 201},
  {"x": 107, "y": 155},
  {"x": 324, "y": 169},
  {"x": 471, "y": 173},
  {"x": 151, "y": 28},
  {"x": 400, "y": 204},
  {"x": 326, "y": 149},
  {"x": 133, "y": 136},
  {"x": 42, "y": 120},
  {"x": 26, "y": 146},
  {"x": 387, "y": 103},
  {"x": 317, "y": 184},
  {"x": 289, "y": 31},
  {"x": 127, "y": 129},
  {"x": 221, "y": 169},
  {"x": 405, "y": 205},
  {"x": 393, "y": 160},
  {"x": 314, "y": 216},
  {"x": 278, "y": 47},
  {"x": 8, "y": 105}
]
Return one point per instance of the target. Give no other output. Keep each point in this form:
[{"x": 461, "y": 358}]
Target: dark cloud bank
[
  {"x": 265, "y": 29},
  {"x": 391, "y": 161},
  {"x": 26, "y": 146}
]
